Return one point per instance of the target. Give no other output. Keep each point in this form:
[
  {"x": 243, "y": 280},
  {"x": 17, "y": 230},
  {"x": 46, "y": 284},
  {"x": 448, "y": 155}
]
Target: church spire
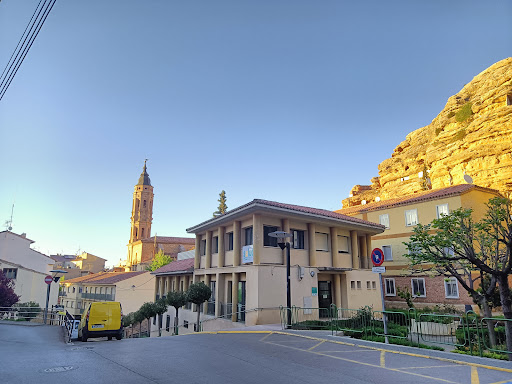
[{"x": 144, "y": 177}]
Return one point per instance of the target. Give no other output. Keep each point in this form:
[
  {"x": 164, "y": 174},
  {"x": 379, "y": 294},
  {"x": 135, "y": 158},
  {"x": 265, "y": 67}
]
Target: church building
[{"x": 143, "y": 247}]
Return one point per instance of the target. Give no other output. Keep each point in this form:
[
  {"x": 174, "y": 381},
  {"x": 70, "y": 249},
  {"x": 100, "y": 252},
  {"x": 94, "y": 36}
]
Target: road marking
[
  {"x": 360, "y": 362},
  {"x": 264, "y": 337},
  {"x": 429, "y": 366},
  {"x": 474, "y": 376},
  {"x": 316, "y": 345},
  {"x": 383, "y": 359},
  {"x": 503, "y": 382}
]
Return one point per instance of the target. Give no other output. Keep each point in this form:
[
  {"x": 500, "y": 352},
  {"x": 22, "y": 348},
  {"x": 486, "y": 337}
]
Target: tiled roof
[
  {"x": 104, "y": 277},
  {"x": 419, "y": 197},
  {"x": 170, "y": 240},
  {"x": 186, "y": 265},
  {"x": 63, "y": 258},
  {"x": 296, "y": 208}
]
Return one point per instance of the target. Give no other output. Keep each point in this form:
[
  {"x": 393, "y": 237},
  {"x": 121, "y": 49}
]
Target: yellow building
[
  {"x": 142, "y": 247},
  {"x": 399, "y": 216},
  {"x": 131, "y": 289},
  {"x": 246, "y": 269}
]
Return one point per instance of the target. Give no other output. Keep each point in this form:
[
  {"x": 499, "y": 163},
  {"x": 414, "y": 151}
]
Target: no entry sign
[
  {"x": 48, "y": 279},
  {"x": 377, "y": 257}
]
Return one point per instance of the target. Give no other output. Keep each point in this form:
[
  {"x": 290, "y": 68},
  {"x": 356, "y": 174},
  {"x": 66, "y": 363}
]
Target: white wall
[{"x": 15, "y": 249}]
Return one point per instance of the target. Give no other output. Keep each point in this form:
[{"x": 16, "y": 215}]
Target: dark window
[
  {"x": 167, "y": 323},
  {"x": 248, "y": 236},
  {"x": 144, "y": 204},
  {"x": 142, "y": 233},
  {"x": 267, "y": 240},
  {"x": 230, "y": 241},
  {"x": 297, "y": 239},
  {"x": 185, "y": 323},
  {"x": 202, "y": 248},
  {"x": 10, "y": 273},
  {"x": 215, "y": 244}
]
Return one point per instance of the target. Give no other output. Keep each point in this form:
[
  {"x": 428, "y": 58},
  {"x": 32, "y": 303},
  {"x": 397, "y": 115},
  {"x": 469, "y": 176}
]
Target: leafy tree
[
  {"x": 176, "y": 299},
  {"x": 159, "y": 260},
  {"x": 147, "y": 311},
  {"x": 458, "y": 245},
  {"x": 128, "y": 319},
  {"x": 222, "y": 208},
  {"x": 138, "y": 317},
  {"x": 198, "y": 293},
  {"x": 160, "y": 308},
  {"x": 406, "y": 295},
  {"x": 7, "y": 295}
]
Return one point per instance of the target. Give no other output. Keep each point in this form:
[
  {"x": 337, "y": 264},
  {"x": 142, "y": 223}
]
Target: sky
[{"x": 286, "y": 100}]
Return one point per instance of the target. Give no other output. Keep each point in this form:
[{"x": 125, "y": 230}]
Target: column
[
  {"x": 234, "y": 296},
  {"x": 218, "y": 283},
  {"x": 364, "y": 253},
  {"x": 197, "y": 257},
  {"x": 355, "y": 250},
  {"x": 208, "y": 250},
  {"x": 169, "y": 288},
  {"x": 337, "y": 290},
  {"x": 222, "y": 248},
  {"x": 207, "y": 283},
  {"x": 178, "y": 281},
  {"x": 334, "y": 247},
  {"x": 369, "y": 250},
  {"x": 257, "y": 238},
  {"x": 237, "y": 250},
  {"x": 312, "y": 245},
  {"x": 157, "y": 279}
]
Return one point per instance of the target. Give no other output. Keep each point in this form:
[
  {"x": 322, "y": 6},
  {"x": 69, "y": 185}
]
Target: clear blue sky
[{"x": 293, "y": 101}]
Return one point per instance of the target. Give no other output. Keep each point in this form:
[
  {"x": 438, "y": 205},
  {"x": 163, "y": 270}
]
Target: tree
[
  {"x": 128, "y": 321},
  {"x": 176, "y": 299},
  {"x": 159, "y": 260},
  {"x": 457, "y": 246},
  {"x": 7, "y": 295},
  {"x": 198, "y": 293},
  {"x": 160, "y": 309},
  {"x": 147, "y": 311},
  {"x": 222, "y": 208},
  {"x": 138, "y": 317}
]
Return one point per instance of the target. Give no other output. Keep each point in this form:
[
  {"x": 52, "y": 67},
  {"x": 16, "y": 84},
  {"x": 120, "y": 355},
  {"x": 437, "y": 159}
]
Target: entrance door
[
  {"x": 324, "y": 297},
  {"x": 241, "y": 301}
]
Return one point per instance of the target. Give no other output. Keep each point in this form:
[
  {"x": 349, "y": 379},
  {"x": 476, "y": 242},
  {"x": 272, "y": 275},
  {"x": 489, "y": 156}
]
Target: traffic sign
[
  {"x": 379, "y": 269},
  {"x": 377, "y": 257},
  {"x": 48, "y": 279}
]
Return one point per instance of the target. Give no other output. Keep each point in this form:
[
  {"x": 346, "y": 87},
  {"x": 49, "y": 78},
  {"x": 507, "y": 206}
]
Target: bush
[
  {"x": 490, "y": 355},
  {"x": 28, "y": 310},
  {"x": 464, "y": 113}
]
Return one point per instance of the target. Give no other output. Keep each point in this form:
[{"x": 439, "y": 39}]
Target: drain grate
[
  {"x": 81, "y": 348},
  {"x": 58, "y": 369}
]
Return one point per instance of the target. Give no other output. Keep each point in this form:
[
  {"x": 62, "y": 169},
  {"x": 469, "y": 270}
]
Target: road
[{"x": 39, "y": 355}]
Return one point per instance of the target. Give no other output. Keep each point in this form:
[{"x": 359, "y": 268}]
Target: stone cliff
[{"x": 471, "y": 136}]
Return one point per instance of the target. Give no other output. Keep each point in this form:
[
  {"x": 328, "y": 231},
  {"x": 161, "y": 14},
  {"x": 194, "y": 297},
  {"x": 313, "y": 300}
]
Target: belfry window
[
  {"x": 144, "y": 204},
  {"x": 509, "y": 99}
]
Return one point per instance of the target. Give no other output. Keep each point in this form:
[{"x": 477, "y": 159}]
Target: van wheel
[
  {"x": 84, "y": 336},
  {"x": 110, "y": 337},
  {"x": 119, "y": 336}
]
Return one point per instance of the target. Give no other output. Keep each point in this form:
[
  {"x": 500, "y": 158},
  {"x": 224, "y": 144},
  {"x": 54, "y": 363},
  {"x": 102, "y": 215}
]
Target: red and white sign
[
  {"x": 377, "y": 257},
  {"x": 48, "y": 279}
]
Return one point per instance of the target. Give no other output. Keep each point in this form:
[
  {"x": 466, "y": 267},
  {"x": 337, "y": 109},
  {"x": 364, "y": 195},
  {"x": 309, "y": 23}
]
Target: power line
[{"x": 20, "y": 52}]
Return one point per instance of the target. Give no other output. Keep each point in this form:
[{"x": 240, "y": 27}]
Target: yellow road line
[
  {"x": 429, "y": 366},
  {"x": 361, "y": 363},
  {"x": 383, "y": 359},
  {"x": 316, "y": 345},
  {"x": 474, "y": 376},
  {"x": 404, "y": 353},
  {"x": 503, "y": 382},
  {"x": 264, "y": 337}
]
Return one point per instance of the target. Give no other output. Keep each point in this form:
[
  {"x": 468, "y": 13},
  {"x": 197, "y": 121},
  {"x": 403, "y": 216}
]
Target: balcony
[
  {"x": 63, "y": 293},
  {"x": 97, "y": 296}
]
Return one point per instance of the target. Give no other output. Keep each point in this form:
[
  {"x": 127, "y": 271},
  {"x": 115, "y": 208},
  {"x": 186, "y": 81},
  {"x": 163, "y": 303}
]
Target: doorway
[
  {"x": 324, "y": 298},
  {"x": 241, "y": 301}
]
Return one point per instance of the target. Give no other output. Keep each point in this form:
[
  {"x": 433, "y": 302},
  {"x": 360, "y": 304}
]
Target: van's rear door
[{"x": 99, "y": 316}]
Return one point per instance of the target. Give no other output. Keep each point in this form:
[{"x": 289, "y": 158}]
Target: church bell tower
[{"x": 142, "y": 208}]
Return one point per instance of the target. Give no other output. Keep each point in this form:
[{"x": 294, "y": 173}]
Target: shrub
[
  {"x": 28, "y": 310},
  {"x": 464, "y": 113}
]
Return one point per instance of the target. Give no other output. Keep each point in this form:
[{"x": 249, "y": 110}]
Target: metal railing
[{"x": 97, "y": 296}]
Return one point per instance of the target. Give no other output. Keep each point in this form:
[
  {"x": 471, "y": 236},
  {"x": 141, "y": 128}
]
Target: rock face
[{"x": 471, "y": 136}]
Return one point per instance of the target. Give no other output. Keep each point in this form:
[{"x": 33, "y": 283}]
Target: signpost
[
  {"x": 48, "y": 280},
  {"x": 377, "y": 260}
]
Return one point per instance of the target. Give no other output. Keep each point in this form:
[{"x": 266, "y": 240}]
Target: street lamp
[
  {"x": 283, "y": 243},
  {"x": 56, "y": 279}
]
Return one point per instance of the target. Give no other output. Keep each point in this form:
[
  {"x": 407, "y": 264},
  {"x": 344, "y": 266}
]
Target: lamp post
[
  {"x": 56, "y": 279},
  {"x": 283, "y": 243}
]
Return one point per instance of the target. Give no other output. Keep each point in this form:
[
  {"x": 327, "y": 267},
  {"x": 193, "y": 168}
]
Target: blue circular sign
[{"x": 377, "y": 257}]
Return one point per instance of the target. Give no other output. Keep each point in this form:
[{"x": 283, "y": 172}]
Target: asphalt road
[{"x": 39, "y": 355}]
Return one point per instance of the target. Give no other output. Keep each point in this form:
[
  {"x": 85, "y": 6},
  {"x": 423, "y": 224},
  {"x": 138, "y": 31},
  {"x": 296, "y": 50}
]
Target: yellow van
[{"x": 100, "y": 319}]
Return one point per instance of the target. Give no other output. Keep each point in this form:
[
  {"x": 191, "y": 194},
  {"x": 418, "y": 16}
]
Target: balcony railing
[
  {"x": 63, "y": 293},
  {"x": 211, "y": 308},
  {"x": 97, "y": 296}
]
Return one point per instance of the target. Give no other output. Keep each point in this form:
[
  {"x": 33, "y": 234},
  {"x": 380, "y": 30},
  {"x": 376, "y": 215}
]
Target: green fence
[{"x": 466, "y": 333}]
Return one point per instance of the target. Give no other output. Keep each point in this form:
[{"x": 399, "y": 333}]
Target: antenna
[
  {"x": 468, "y": 179},
  {"x": 8, "y": 223}
]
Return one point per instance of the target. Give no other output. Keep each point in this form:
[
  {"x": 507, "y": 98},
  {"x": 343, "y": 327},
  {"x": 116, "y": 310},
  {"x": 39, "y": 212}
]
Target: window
[
  {"x": 384, "y": 220},
  {"x": 142, "y": 233},
  {"x": 451, "y": 288},
  {"x": 388, "y": 254},
  {"x": 390, "y": 287},
  {"x": 411, "y": 217},
  {"x": 10, "y": 273},
  {"x": 297, "y": 239},
  {"x": 72, "y": 304},
  {"x": 215, "y": 244},
  {"x": 358, "y": 284},
  {"x": 202, "y": 248},
  {"x": 229, "y": 242},
  {"x": 79, "y": 289},
  {"x": 418, "y": 287},
  {"x": 442, "y": 210},
  {"x": 79, "y": 304},
  {"x": 352, "y": 284},
  {"x": 267, "y": 240},
  {"x": 144, "y": 204},
  {"x": 343, "y": 244},
  {"x": 248, "y": 236},
  {"x": 74, "y": 289},
  {"x": 322, "y": 241},
  {"x": 509, "y": 99},
  {"x": 374, "y": 285},
  {"x": 368, "y": 285}
]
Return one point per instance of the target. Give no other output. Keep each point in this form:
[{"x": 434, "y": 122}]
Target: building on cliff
[
  {"x": 399, "y": 216},
  {"x": 471, "y": 136},
  {"x": 143, "y": 247}
]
